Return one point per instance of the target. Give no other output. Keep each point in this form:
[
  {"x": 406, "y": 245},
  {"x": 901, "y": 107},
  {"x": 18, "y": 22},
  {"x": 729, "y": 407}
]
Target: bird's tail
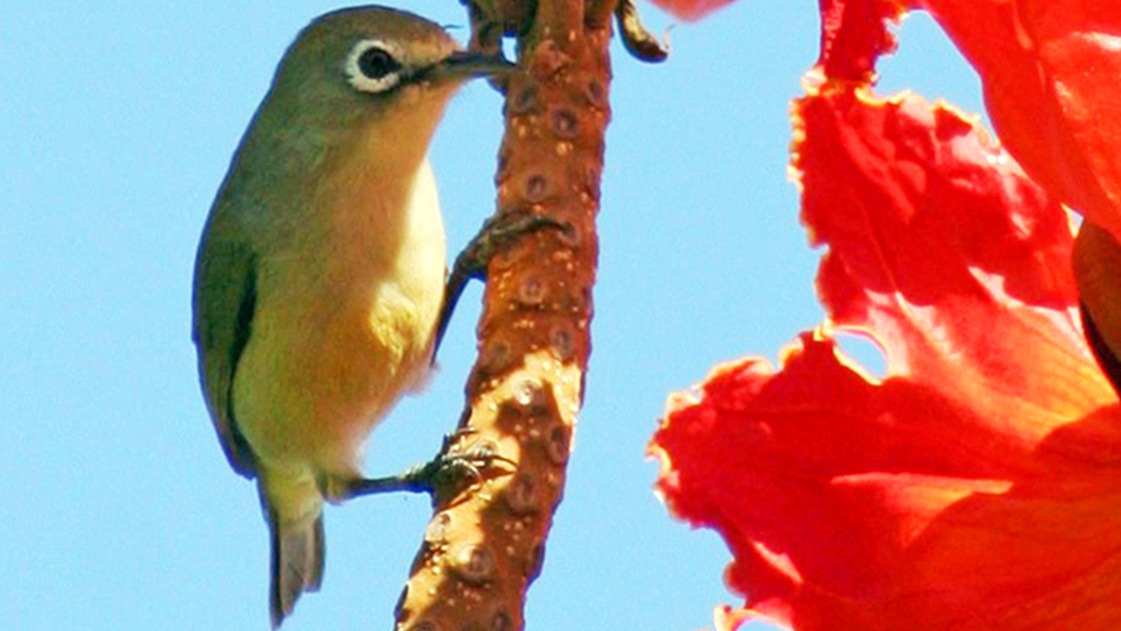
[{"x": 297, "y": 560}]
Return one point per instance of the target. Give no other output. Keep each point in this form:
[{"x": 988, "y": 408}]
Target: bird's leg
[
  {"x": 447, "y": 474},
  {"x": 497, "y": 232}
]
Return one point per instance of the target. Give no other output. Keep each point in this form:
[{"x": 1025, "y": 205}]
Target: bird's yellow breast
[{"x": 345, "y": 322}]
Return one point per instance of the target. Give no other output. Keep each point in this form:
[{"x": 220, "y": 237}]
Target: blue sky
[{"x": 117, "y": 122}]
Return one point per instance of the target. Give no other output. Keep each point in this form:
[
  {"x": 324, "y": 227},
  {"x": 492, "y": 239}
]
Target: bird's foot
[
  {"x": 446, "y": 475},
  {"x": 497, "y": 232}
]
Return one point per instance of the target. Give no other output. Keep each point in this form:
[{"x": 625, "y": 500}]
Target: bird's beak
[{"x": 466, "y": 65}]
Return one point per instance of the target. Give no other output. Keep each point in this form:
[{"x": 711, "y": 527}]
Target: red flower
[
  {"x": 978, "y": 485},
  {"x": 1050, "y": 73},
  {"x": 1049, "y": 69}
]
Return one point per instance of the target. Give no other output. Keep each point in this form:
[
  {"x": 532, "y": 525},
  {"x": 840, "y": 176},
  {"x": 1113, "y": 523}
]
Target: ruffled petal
[
  {"x": 978, "y": 486},
  {"x": 1050, "y": 71}
]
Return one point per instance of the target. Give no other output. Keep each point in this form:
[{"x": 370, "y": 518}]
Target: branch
[{"x": 484, "y": 546}]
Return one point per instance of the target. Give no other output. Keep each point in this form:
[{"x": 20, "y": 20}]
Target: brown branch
[
  {"x": 485, "y": 546},
  {"x": 597, "y": 13}
]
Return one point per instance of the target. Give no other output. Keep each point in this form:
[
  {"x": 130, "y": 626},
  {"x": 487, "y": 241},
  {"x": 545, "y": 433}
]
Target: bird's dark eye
[
  {"x": 374, "y": 66},
  {"x": 376, "y": 63}
]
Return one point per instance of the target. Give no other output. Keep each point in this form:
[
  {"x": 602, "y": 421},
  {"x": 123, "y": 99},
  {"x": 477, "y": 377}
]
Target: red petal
[
  {"x": 854, "y": 33},
  {"x": 1050, "y": 71},
  {"x": 854, "y": 47},
  {"x": 979, "y": 485},
  {"x": 691, "y": 9}
]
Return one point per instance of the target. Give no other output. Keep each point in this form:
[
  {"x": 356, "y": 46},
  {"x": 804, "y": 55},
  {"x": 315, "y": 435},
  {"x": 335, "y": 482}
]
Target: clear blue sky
[{"x": 117, "y": 122}]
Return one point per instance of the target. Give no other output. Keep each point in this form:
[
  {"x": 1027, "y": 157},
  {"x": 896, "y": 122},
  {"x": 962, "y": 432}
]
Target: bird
[{"x": 320, "y": 272}]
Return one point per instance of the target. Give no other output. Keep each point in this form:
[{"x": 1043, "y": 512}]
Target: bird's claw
[
  {"x": 497, "y": 233},
  {"x": 454, "y": 470},
  {"x": 446, "y": 475}
]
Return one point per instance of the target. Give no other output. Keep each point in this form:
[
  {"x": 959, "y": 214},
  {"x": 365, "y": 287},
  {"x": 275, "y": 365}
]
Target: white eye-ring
[{"x": 374, "y": 65}]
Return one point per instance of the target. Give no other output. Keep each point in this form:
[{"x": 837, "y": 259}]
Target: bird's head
[{"x": 373, "y": 74}]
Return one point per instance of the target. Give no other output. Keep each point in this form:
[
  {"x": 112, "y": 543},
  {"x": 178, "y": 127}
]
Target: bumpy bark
[{"x": 485, "y": 545}]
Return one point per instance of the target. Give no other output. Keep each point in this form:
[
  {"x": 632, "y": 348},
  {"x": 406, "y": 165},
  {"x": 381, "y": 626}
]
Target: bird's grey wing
[{"x": 224, "y": 300}]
